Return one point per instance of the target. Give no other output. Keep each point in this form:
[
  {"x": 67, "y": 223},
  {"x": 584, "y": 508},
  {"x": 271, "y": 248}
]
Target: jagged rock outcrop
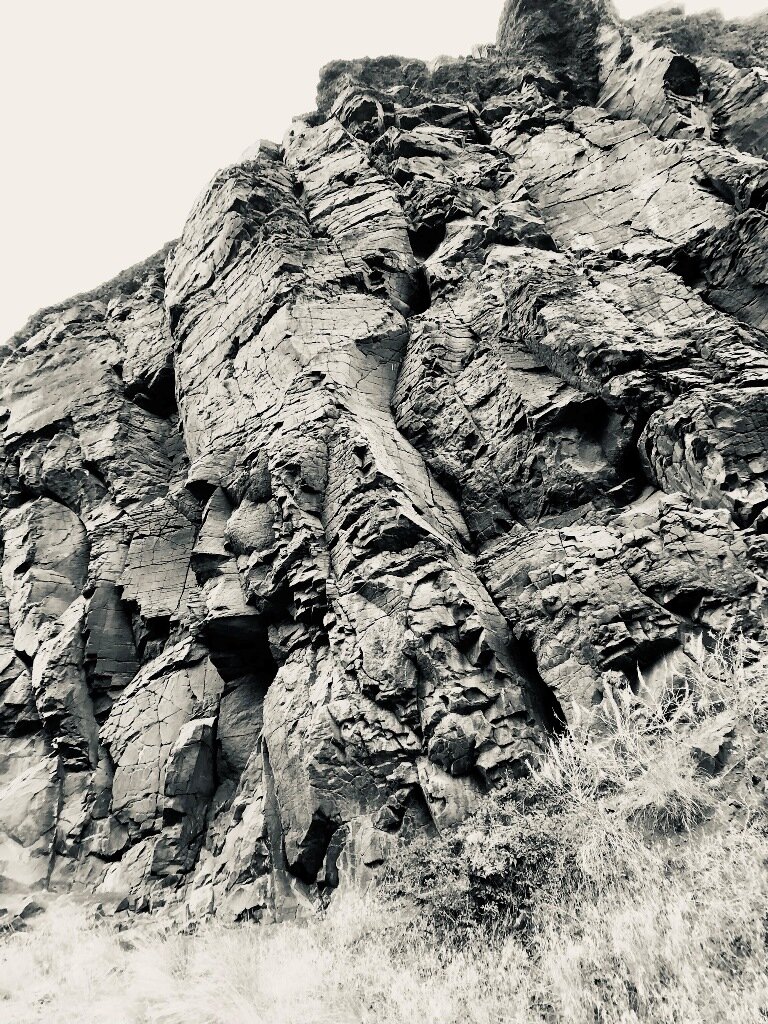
[{"x": 443, "y": 418}]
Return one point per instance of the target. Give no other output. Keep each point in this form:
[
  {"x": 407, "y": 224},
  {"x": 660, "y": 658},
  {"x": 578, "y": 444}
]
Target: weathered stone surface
[
  {"x": 442, "y": 420},
  {"x": 61, "y": 690},
  {"x": 560, "y": 33},
  {"x": 144, "y": 727},
  {"x": 602, "y": 598},
  {"x": 651, "y": 83},
  {"x": 734, "y": 268},
  {"x": 28, "y": 806},
  {"x": 44, "y": 568},
  {"x": 608, "y": 186},
  {"x": 738, "y": 98}
]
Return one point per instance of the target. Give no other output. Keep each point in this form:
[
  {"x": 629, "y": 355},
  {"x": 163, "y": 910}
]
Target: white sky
[{"x": 115, "y": 113}]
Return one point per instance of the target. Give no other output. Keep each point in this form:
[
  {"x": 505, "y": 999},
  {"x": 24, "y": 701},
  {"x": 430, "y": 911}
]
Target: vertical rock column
[{"x": 561, "y": 35}]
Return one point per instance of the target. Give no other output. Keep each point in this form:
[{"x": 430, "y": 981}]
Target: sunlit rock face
[{"x": 443, "y": 419}]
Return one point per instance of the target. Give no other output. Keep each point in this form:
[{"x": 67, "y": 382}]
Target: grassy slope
[{"x": 626, "y": 882}]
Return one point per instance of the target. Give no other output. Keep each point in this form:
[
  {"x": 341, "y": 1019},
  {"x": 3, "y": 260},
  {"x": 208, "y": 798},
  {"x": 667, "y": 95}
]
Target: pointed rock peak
[{"x": 561, "y": 34}]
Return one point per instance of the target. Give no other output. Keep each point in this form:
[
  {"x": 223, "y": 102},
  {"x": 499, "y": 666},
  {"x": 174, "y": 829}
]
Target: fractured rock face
[
  {"x": 560, "y": 33},
  {"x": 442, "y": 420}
]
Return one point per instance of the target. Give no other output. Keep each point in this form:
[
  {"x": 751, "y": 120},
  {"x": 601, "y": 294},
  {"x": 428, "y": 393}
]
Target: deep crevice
[
  {"x": 314, "y": 847},
  {"x": 544, "y": 699},
  {"x": 425, "y": 239},
  {"x": 156, "y": 394}
]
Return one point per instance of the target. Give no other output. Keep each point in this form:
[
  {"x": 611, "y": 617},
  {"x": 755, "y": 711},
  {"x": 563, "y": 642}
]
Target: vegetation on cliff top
[
  {"x": 126, "y": 282},
  {"x": 743, "y": 42}
]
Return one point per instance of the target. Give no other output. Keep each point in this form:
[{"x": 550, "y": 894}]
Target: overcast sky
[{"x": 115, "y": 114}]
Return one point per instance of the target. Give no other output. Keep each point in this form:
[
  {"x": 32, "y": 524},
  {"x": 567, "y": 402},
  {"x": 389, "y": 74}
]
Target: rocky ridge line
[{"x": 442, "y": 419}]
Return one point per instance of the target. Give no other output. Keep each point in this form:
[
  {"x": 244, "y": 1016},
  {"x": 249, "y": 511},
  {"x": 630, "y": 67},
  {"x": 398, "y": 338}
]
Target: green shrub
[
  {"x": 485, "y": 873},
  {"x": 510, "y": 865}
]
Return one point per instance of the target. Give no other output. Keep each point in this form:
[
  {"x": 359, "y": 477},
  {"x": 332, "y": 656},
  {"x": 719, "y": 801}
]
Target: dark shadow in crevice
[
  {"x": 238, "y": 646},
  {"x": 687, "y": 266},
  {"x": 682, "y": 77},
  {"x": 686, "y": 601},
  {"x": 95, "y": 471},
  {"x": 421, "y": 297},
  {"x": 631, "y": 471},
  {"x": 314, "y": 846},
  {"x": 640, "y": 659},
  {"x": 201, "y": 490},
  {"x": 156, "y": 394},
  {"x": 426, "y": 239},
  {"x": 150, "y": 635},
  {"x": 544, "y": 699}
]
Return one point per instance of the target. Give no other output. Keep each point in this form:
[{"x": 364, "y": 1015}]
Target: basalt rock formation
[{"x": 441, "y": 420}]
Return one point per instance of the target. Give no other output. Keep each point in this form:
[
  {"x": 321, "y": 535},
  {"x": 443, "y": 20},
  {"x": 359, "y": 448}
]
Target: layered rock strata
[{"x": 443, "y": 419}]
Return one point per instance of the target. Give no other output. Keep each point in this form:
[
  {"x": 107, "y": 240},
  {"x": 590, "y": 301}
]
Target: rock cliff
[{"x": 442, "y": 419}]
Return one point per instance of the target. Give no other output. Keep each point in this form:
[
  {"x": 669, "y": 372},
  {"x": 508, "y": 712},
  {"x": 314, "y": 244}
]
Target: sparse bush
[
  {"x": 528, "y": 848},
  {"x": 707, "y": 34},
  {"x": 485, "y": 873}
]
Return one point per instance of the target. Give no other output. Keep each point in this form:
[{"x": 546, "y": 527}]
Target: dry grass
[
  {"x": 652, "y": 909},
  {"x": 683, "y": 941},
  {"x": 358, "y": 966}
]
